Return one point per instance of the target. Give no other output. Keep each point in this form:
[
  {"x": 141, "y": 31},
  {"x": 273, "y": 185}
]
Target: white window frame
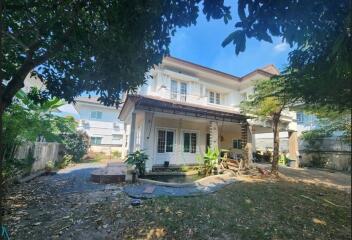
[
  {"x": 183, "y": 91},
  {"x": 183, "y": 131},
  {"x": 173, "y": 140},
  {"x": 93, "y": 142},
  {"x": 173, "y": 90},
  {"x": 214, "y": 97},
  {"x": 96, "y": 115}
]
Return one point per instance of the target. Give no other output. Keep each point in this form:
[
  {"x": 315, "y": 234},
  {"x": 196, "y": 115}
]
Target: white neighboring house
[
  {"x": 185, "y": 108},
  {"x": 101, "y": 124}
]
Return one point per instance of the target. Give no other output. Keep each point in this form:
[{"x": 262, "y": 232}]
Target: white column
[
  {"x": 132, "y": 133},
  {"x": 214, "y": 135},
  {"x": 250, "y": 138},
  {"x": 293, "y": 146},
  {"x": 148, "y": 140}
]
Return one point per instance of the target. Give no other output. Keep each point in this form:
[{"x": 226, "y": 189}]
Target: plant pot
[{"x": 166, "y": 164}]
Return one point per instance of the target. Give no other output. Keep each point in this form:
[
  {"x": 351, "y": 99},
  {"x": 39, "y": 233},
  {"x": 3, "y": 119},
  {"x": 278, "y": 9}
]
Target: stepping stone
[{"x": 149, "y": 189}]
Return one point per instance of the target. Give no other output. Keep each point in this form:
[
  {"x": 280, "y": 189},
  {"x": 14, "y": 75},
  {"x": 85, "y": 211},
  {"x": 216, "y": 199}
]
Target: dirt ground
[
  {"x": 69, "y": 206},
  {"x": 330, "y": 178}
]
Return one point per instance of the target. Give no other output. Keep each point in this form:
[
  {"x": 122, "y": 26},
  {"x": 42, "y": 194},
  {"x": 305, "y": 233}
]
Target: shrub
[
  {"x": 65, "y": 161},
  {"x": 76, "y": 145},
  {"x": 137, "y": 158},
  {"x": 116, "y": 154}
]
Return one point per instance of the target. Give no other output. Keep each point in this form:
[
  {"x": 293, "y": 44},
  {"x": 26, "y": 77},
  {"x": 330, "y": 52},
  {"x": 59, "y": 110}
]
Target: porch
[{"x": 180, "y": 133}]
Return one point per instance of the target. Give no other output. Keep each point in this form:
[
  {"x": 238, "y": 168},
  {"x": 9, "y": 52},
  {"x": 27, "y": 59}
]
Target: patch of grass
[
  {"x": 258, "y": 210},
  {"x": 94, "y": 157}
]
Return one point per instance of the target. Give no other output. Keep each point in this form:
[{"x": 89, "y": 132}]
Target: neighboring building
[
  {"x": 306, "y": 122},
  {"x": 185, "y": 108},
  {"x": 101, "y": 124}
]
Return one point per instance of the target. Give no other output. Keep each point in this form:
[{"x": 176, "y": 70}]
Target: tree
[
  {"x": 269, "y": 101},
  {"x": 320, "y": 31},
  {"x": 84, "y": 45},
  {"x": 330, "y": 122}
]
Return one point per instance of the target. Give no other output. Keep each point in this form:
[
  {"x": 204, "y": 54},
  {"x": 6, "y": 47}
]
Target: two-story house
[
  {"x": 184, "y": 108},
  {"x": 101, "y": 124}
]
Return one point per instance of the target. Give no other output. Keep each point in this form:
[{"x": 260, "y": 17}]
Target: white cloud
[{"x": 281, "y": 47}]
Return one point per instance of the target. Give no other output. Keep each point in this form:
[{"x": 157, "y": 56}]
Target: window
[
  {"x": 214, "y": 97},
  {"x": 165, "y": 141},
  {"x": 116, "y": 137},
  {"x": 217, "y": 100},
  {"x": 96, "y": 115},
  {"x": 95, "y": 140},
  {"x": 300, "y": 117},
  {"x": 237, "y": 143},
  {"x": 211, "y": 97},
  {"x": 183, "y": 92},
  {"x": 173, "y": 89},
  {"x": 189, "y": 142}
]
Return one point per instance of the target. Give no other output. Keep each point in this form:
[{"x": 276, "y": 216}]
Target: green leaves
[
  {"x": 319, "y": 69},
  {"x": 104, "y": 46},
  {"x": 239, "y": 40},
  {"x": 137, "y": 158}
]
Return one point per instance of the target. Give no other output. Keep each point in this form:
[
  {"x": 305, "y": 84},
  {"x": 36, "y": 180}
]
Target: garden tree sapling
[{"x": 269, "y": 101}]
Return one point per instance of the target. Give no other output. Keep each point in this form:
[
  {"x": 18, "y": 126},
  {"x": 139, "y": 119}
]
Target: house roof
[
  {"x": 92, "y": 101},
  {"x": 156, "y": 104},
  {"x": 268, "y": 70}
]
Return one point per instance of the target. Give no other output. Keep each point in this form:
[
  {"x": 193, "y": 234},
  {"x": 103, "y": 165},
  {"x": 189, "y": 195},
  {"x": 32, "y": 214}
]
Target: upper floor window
[
  {"x": 95, "y": 140},
  {"x": 214, "y": 97},
  {"x": 183, "y": 91},
  {"x": 173, "y": 89},
  {"x": 176, "y": 88},
  {"x": 96, "y": 115},
  {"x": 300, "y": 117}
]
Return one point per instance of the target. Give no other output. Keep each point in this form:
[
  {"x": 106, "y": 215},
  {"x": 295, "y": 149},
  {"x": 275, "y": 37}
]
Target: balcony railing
[{"x": 193, "y": 99}]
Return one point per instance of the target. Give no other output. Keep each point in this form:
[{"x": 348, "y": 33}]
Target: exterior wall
[
  {"x": 146, "y": 137},
  {"x": 199, "y": 84},
  {"x": 106, "y": 127}
]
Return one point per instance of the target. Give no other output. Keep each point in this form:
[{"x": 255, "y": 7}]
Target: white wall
[{"x": 105, "y": 127}]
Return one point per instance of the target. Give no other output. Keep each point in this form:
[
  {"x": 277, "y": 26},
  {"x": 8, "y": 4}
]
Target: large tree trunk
[{"x": 274, "y": 165}]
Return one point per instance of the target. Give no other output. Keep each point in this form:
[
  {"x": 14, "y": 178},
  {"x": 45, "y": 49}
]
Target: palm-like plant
[
  {"x": 137, "y": 158},
  {"x": 210, "y": 160}
]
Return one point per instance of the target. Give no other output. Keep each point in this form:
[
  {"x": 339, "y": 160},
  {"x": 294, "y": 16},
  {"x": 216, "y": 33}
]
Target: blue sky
[{"x": 201, "y": 44}]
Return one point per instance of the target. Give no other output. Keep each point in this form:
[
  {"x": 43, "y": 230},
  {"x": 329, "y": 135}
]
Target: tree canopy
[
  {"x": 319, "y": 31},
  {"x": 100, "y": 46}
]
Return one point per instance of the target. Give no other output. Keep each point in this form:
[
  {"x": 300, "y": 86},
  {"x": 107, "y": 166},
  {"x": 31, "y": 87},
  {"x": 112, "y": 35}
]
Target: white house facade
[
  {"x": 101, "y": 124},
  {"x": 185, "y": 108}
]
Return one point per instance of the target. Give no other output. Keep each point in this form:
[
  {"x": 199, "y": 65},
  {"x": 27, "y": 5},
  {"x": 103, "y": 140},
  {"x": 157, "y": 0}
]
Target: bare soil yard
[{"x": 62, "y": 207}]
